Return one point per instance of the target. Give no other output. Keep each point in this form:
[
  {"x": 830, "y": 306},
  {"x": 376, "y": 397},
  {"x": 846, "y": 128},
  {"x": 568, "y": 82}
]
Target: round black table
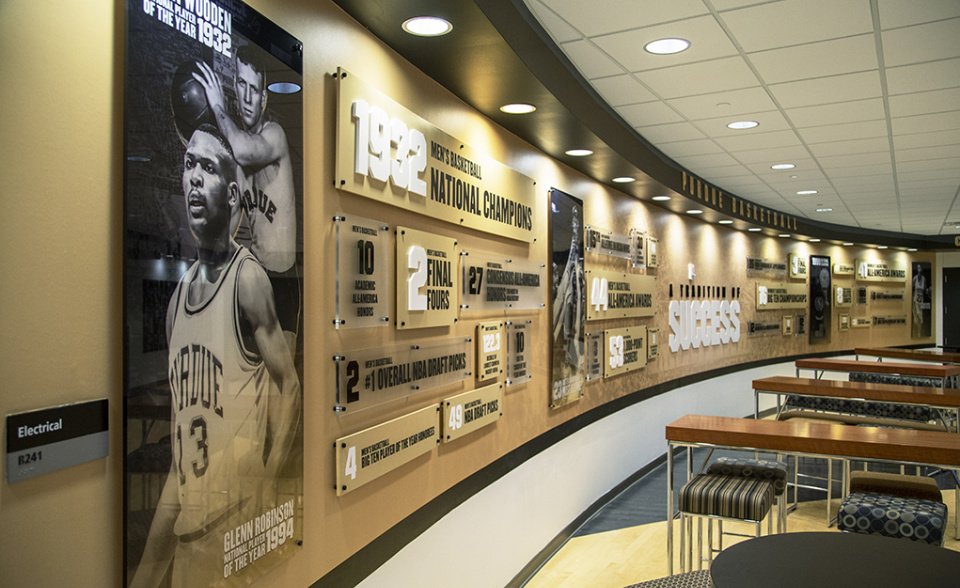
[{"x": 844, "y": 560}]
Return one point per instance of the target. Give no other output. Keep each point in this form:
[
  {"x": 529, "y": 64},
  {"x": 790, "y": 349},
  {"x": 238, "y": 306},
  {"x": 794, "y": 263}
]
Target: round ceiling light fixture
[
  {"x": 667, "y": 46},
  {"x": 661, "y": 198},
  {"x": 741, "y": 125},
  {"x": 427, "y": 26},
  {"x": 806, "y": 192},
  {"x": 783, "y": 166},
  {"x": 624, "y": 180},
  {"x": 518, "y": 108},
  {"x": 284, "y": 88},
  {"x": 725, "y": 221},
  {"x": 694, "y": 211},
  {"x": 579, "y": 152}
]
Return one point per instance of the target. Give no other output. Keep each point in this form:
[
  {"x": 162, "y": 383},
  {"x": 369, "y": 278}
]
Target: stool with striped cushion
[
  {"x": 765, "y": 469},
  {"x": 720, "y": 497}
]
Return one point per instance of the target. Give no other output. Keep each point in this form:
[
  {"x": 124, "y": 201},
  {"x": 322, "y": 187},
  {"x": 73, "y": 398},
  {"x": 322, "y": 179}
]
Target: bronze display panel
[
  {"x": 388, "y": 153},
  {"x": 426, "y": 279},
  {"x": 465, "y": 413},
  {"x": 371, "y": 453},
  {"x": 624, "y": 350},
  {"x": 619, "y": 295},
  {"x": 489, "y": 350}
]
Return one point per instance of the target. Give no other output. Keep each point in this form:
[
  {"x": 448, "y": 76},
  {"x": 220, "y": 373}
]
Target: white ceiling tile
[
  {"x": 944, "y": 152},
  {"x": 794, "y": 22},
  {"x": 870, "y": 129},
  {"x": 708, "y": 41},
  {"x": 768, "y": 122},
  {"x": 771, "y": 156},
  {"x": 695, "y": 147},
  {"x": 724, "y": 104},
  {"x": 804, "y": 165},
  {"x": 619, "y": 15},
  {"x": 843, "y": 88},
  {"x": 648, "y": 113},
  {"x": 898, "y": 13},
  {"x": 816, "y": 60},
  {"x": 863, "y": 170},
  {"x": 935, "y": 139},
  {"x": 839, "y": 113},
  {"x": 926, "y": 123},
  {"x": 924, "y": 166},
  {"x": 748, "y": 140},
  {"x": 853, "y": 160},
  {"x": 710, "y": 77},
  {"x": 872, "y": 145},
  {"x": 925, "y": 102},
  {"x": 591, "y": 62},
  {"x": 920, "y": 43},
  {"x": 621, "y": 90},
  {"x": 681, "y": 131},
  {"x": 864, "y": 182},
  {"x": 700, "y": 161},
  {"x": 726, "y": 171},
  {"x": 936, "y": 75},
  {"x": 560, "y": 30}
]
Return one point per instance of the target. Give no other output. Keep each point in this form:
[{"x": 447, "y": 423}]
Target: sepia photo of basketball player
[{"x": 235, "y": 393}]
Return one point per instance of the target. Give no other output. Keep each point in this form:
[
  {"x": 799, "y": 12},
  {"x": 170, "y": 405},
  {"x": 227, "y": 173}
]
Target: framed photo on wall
[{"x": 212, "y": 277}]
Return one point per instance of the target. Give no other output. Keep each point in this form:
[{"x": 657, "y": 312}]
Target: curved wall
[{"x": 63, "y": 338}]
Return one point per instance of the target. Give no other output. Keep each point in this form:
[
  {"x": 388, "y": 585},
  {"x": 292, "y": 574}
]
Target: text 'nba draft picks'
[{"x": 198, "y": 19}]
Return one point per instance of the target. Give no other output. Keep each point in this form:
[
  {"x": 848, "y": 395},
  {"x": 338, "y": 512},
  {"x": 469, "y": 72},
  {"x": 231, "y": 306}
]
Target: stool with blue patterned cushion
[
  {"x": 720, "y": 497},
  {"x": 893, "y": 516},
  {"x": 764, "y": 469}
]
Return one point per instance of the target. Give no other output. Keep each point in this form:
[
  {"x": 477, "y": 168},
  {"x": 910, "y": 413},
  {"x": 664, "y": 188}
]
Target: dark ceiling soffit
[{"x": 517, "y": 47}]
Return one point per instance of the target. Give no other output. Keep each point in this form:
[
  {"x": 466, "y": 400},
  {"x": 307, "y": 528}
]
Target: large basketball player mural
[{"x": 213, "y": 185}]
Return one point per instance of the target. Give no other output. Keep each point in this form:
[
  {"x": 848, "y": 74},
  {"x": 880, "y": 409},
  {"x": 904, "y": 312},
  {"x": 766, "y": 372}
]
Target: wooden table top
[
  {"x": 860, "y": 390},
  {"x": 928, "y": 447},
  {"x": 880, "y": 367},
  {"x": 916, "y": 354}
]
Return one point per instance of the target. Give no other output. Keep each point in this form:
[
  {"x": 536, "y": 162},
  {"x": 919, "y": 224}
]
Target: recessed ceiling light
[
  {"x": 661, "y": 198},
  {"x": 806, "y": 192},
  {"x": 743, "y": 124},
  {"x": 694, "y": 211},
  {"x": 824, "y": 210},
  {"x": 912, "y": 249},
  {"x": 725, "y": 221},
  {"x": 284, "y": 88},
  {"x": 518, "y": 108},
  {"x": 814, "y": 240},
  {"x": 427, "y": 26},
  {"x": 754, "y": 229},
  {"x": 783, "y": 166},
  {"x": 784, "y": 235},
  {"x": 666, "y": 46},
  {"x": 847, "y": 244},
  {"x": 579, "y": 152},
  {"x": 624, "y": 180},
  {"x": 881, "y": 246}
]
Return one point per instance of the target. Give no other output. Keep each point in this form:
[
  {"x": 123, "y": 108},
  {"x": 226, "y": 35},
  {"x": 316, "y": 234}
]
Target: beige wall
[{"x": 61, "y": 317}]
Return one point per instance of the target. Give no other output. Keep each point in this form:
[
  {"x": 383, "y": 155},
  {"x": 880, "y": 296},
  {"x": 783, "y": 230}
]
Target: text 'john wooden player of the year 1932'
[{"x": 202, "y": 20}]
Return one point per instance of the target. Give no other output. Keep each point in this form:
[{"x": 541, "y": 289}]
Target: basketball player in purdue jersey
[
  {"x": 235, "y": 394},
  {"x": 260, "y": 147}
]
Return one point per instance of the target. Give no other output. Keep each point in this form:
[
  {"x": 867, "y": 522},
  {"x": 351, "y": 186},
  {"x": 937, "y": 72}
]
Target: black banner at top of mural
[{"x": 213, "y": 24}]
